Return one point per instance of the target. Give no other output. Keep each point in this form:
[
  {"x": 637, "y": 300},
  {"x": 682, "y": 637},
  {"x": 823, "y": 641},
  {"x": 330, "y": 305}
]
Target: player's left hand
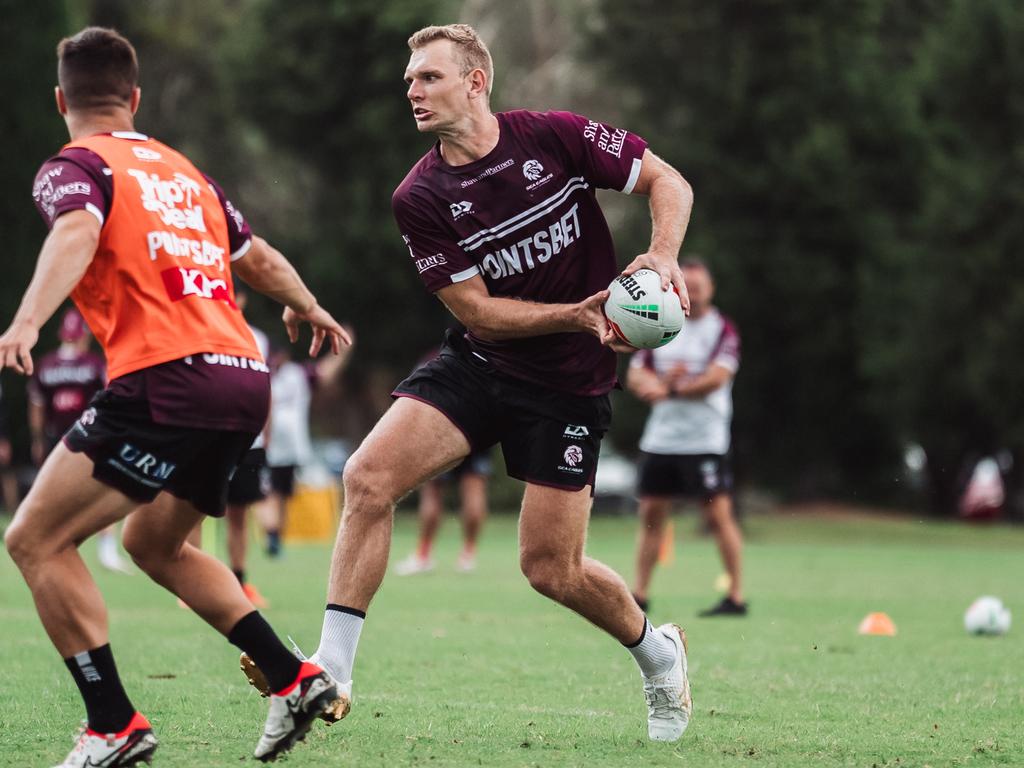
[
  {"x": 324, "y": 327},
  {"x": 16, "y": 348},
  {"x": 668, "y": 268}
]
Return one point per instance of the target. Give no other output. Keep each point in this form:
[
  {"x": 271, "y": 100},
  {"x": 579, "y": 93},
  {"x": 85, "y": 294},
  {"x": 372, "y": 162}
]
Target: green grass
[{"x": 477, "y": 670}]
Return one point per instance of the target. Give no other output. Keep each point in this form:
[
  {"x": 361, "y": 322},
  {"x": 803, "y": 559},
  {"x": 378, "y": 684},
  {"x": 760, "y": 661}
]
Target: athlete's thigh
[
  {"x": 553, "y": 522},
  {"x": 161, "y": 527},
  {"x": 66, "y": 504},
  {"x": 412, "y": 442}
]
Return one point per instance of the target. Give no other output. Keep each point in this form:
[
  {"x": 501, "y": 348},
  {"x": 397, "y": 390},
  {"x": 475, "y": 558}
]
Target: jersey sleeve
[
  {"x": 727, "y": 353},
  {"x": 71, "y": 183},
  {"x": 435, "y": 253},
  {"x": 608, "y": 157},
  {"x": 239, "y": 231}
]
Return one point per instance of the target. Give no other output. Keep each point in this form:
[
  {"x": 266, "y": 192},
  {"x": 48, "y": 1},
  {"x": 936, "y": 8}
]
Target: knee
[
  {"x": 550, "y": 576},
  {"x": 145, "y": 552},
  {"x": 367, "y": 487},
  {"x": 18, "y": 542},
  {"x": 653, "y": 517}
]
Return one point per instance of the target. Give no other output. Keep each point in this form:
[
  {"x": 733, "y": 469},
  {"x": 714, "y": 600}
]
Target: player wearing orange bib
[{"x": 146, "y": 245}]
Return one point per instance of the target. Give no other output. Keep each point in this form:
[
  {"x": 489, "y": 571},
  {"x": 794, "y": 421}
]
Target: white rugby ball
[
  {"x": 640, "y": 312},
  {"x": 987, "y": 616}
]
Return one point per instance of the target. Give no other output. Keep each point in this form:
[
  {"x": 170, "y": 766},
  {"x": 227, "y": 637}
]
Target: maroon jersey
[
  {"x": 205, "y": 391},
  {"x": 525, "y": 218},
  {"x": 63, "y": 384}
]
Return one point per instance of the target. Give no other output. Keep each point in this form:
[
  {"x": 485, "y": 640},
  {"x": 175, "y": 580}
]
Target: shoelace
[{"x": 660, "y": 703}]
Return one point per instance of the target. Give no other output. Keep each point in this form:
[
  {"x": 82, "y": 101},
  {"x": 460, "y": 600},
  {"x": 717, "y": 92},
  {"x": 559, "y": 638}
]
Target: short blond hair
[{"x": 470, "y": 51}]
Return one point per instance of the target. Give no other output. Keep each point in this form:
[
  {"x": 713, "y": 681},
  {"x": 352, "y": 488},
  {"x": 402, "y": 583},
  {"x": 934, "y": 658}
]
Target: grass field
[{"x": 479, "y": 671}]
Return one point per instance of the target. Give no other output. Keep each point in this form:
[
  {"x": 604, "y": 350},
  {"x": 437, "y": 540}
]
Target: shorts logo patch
[
  {"x": 709, "y": 471},
  {"x": 142, "y": 466},
  {"x": 576, "y": 430},
  {"x": 573, "y": 455}
]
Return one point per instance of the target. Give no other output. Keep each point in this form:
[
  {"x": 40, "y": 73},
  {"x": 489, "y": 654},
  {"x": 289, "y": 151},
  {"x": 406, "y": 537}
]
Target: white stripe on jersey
[
  {"x": 465, "y": 274},
  {"x": 634, "y": 174},
  {"x": 516, "y": 222}
]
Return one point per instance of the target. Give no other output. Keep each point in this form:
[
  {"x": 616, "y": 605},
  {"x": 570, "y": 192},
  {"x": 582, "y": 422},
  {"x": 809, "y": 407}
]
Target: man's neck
[
  {"x": 470, "y": 140},
  {"x": 92, "y": 122}
]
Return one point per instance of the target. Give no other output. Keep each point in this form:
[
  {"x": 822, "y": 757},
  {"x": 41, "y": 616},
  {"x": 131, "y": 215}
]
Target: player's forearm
[
  {"x": 267, "y": 271},
  {"x": 63, "y": 260},
  {"x": 671, "y": 200},
  {"x": 699, "y": 386},
  {"x": 497, "y": 319}
]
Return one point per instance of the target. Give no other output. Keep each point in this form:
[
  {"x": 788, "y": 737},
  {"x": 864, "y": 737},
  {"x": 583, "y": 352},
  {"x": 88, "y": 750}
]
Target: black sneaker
[{"x": 727, "y": 607}]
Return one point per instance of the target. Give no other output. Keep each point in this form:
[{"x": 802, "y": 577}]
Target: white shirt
[
  {"x": 686, "y": 425},
  {"x": 263, "y": 344},
  {"x": 289, "y": 417}
]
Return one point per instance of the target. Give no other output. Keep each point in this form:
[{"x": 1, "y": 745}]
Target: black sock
[
  {"x": 254, "y": 635},
  {"x": 106, "y": 704},
  {"x": 239, "y": 574},
  {"x": 273, "y": 542}
]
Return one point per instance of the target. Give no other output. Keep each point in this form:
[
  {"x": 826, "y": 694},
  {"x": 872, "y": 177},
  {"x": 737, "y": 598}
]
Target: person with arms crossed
[
  {"x": 146, "y": 244},
  {"x": 500, "y": 218},
  {"x": 685, "y": 444},
  {"x": 63, "y": 383}
]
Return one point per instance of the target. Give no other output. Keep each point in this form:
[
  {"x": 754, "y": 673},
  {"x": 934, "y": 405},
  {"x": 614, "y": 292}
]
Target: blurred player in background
[
  {"x": 250, "y": 483},
  {"x": 470, "y": 478},
  {"x": 500, "y": 218},
  {"x": 289, "y": 446},
  {"x": 685, "y": 444},
  {"x": 8, "y": 479},
  {"x": 146, "y": 246},
  {"x": 63, "y": 384}
]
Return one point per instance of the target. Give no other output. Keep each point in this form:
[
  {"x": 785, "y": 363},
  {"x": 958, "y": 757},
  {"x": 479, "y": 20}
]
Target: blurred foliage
[{"x": 857, "y": 168}]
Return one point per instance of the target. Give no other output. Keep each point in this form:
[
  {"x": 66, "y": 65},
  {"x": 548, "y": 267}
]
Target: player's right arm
[
  {"x": 494, "y": 318},
  {"x": 266, "y": 270},
  {"x": 66, "y": 255}
]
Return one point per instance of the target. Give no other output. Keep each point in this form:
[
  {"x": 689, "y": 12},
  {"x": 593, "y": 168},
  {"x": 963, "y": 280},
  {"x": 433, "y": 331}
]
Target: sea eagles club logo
[
  {"x": 573, "y": 455},
  {"x": 532, "y": 170}
]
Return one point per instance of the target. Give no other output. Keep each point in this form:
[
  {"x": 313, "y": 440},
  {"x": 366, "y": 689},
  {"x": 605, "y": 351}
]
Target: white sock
[
  {"x": 338, "y": 640},
  {"x": 654, "y": 653},
  {"x": 106, "y": 544}
]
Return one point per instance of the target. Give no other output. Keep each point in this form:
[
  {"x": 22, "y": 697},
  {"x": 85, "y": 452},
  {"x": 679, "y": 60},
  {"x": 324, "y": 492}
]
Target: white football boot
[
  {"x": 135, "y": 744},
  {"x": 414, "y": 565},
  {"x": 332, "y": 713},
  {"x": 668, "y": 695},
  {"x": 293, "y": 710}
]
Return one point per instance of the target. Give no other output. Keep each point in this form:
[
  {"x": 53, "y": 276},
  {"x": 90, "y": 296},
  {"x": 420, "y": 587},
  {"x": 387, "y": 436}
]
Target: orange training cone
[
  {"x": 667, "y": 550},
  {"x": 877, "y": 624}
]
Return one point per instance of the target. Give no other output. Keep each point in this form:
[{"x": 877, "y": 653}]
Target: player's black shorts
[
  {"x": 282, "y": 480},
  {"x": 251, "y": 481},
  {"x": 477, "y": 463},
  {"x": 548, "y": 437},
  {"x": 701, "y": 475},
  {"x": 140, "y": 458}
]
